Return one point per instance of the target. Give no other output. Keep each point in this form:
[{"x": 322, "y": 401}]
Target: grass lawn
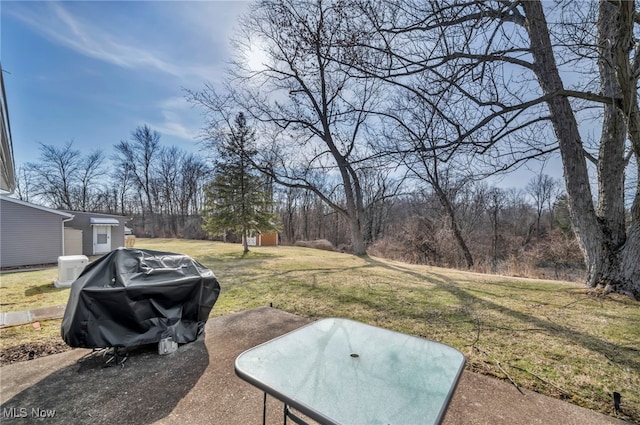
[{"x": 556, "y": 338}]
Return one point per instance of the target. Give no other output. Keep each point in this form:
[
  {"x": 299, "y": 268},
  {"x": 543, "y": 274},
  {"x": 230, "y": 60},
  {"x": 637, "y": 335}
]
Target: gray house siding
[
  {"x": 82, "y": 221},
  {"x": 29, "y": 234}
]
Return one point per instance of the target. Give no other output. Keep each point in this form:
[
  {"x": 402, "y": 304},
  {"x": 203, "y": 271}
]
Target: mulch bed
[{"x": 26, "y": 352}]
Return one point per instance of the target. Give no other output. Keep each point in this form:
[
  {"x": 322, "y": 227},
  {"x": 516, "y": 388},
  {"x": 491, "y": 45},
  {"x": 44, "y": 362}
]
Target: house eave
[{"x": 37, "y": 207}]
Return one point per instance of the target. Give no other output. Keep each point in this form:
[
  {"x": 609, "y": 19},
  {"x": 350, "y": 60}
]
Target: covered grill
[{"x": 132, "y": 297}]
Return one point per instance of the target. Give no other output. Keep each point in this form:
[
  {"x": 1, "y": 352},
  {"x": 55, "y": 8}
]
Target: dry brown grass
[{"x": 557, "y": 338}]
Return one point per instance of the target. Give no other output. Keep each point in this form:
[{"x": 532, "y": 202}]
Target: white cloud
[
  {"x": 179, "y": 119},
  {"x": 88, "y": 37}
]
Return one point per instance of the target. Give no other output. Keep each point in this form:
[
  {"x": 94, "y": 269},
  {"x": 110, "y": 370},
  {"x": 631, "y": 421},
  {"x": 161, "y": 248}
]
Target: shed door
[{"x": 101, "y": 239}]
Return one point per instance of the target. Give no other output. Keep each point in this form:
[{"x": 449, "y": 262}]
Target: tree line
[
  {"x": 365, "y": 111},
  {"x": 171, "y": 193},
  {"x": 450, "y": 91},
  {"x": 161, "y": 187}
]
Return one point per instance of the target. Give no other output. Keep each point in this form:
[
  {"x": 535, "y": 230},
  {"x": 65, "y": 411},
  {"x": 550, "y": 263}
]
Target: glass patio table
[{"x": 339, "y": 371}]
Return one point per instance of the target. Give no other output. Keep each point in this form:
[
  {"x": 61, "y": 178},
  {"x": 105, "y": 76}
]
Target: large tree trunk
[
  {"x": 354, "y": 212},
  {"x": 614, "y": 40},
  {"x": 608, "y": 250},
  {"x": 357, "y": 237},
  {"x": 612, "y": 139}
]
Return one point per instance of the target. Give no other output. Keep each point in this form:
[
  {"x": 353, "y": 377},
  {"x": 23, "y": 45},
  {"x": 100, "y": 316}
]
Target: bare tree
[
  {"x": 56, "y": 174},
  {"x": 542, "y": 188},
  {"x": 121, "y": 179},
  {"x": 289, "y": 212},
  {"x": 519, "y": 216},
  {"x": 420, "y": 136},
  {"x": 381, "y": 191},
  {"x": 63, "y": 177},
  {"x": 90, "y": 168},
  {"x": 506, "y": 59},
  {"x": 611, "y": 252},
  {"x": 139, "y": 156},
  {"x": 193, "y": 173},
  {"x": 312, "y": 109},
  {"x": 166, "y": 186},
  {"x": 24, "y": 183}
]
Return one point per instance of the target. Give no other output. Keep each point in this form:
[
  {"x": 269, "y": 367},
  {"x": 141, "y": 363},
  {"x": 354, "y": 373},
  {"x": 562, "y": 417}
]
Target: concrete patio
[{"x": 197, "y": 385}]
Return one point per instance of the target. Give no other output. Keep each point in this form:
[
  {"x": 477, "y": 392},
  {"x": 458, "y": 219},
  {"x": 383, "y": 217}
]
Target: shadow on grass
[
  {"x": 318, "y": 270},
  {"x": 624, "y": 356},
  {"x": 229, "y": 257},
  {"x": 145, "y": 390},
  {"x": 42, "y": 289}
]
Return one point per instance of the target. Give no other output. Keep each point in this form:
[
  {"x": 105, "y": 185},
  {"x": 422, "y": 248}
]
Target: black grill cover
[{"x": 133, "y": 297}]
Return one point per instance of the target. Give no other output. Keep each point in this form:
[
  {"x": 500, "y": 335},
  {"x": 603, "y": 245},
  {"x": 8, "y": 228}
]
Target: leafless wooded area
[{"x": 382, "y": 124}]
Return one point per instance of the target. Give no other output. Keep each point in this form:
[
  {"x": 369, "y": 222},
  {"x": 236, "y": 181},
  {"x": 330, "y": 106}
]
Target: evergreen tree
[{"x": 238, "y": 199}]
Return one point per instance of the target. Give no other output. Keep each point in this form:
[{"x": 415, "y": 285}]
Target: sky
[{"x": 92, "y": 71}]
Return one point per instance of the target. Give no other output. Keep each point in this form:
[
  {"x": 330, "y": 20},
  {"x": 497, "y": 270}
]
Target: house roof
[
  {"x": 97, "y": 214},
  {"x": 37, "y": 207},
  {"x": 104, "y": 221}
]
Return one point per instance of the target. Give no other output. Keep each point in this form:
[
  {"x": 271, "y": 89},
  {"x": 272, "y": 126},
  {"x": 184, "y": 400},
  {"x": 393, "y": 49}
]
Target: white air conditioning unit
[{"x": 69, "y": 268}]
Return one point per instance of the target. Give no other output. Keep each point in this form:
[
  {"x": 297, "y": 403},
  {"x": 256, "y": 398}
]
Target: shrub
[{"x": 317, "y": 244}]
